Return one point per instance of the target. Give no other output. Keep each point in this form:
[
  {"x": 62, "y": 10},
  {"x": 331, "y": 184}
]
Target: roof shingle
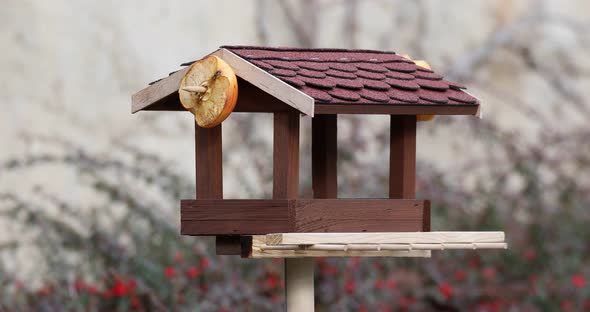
[{"x": 355, "y": 76}]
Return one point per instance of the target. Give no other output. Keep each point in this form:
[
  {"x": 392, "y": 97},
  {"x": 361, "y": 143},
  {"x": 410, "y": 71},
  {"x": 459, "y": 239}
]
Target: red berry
[
  {"x": 169, "y": 272},
  {"x": 579, "y": 281},
  {"x": 193, "y": 272},
  {"x": 350, "y": 286},
  {"x": 446, "y": 290}
]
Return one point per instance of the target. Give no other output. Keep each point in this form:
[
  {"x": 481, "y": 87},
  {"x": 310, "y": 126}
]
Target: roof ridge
[
  {"x": 295, "y": 49},
  {"x": 316, "y": 60}
]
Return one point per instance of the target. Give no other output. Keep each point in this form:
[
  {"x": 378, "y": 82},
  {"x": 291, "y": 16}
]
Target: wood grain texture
[
  {"x": 406, "y": 109},
  {"x": 229, "y": 227},
  {"x": 384, "y": 238},
  {"x": 253, "y": 216},
  {"x": 208, "y": 176},
  {"x": 324, "y": 156},
  {"x": 358, "y": 215},
  {"x": 426, "y": 224},
  {"x": 208, "y": 163},
  {"x": 235, "y": 210},
  {"x": 286, "y": 155},
  {"x": 402, "y": 157},
  {"x": 259, "y": 242}
]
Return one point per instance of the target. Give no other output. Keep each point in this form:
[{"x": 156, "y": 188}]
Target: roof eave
[
  {"x": 243, "y": 69},
  {"x": 399, "y": 109}
]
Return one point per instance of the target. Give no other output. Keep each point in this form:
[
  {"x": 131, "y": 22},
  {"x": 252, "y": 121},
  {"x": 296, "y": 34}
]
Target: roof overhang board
[
  {"x": 157, "y": 91},
  {"x": 243, "y": 69}
]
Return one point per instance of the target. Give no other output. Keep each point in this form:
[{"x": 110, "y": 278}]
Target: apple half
[{"x": 209, "y": 90}]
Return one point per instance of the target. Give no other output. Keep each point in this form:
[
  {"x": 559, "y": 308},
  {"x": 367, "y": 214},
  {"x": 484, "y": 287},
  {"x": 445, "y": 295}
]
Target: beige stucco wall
[{"x": 68, "y": 68}]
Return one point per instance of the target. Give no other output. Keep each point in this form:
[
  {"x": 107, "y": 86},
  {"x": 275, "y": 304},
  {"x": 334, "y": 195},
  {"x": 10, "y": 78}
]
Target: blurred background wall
[{"x": 68, "y": 69}]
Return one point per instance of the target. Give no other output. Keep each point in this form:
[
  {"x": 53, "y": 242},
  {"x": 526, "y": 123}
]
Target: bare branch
[
  {"x": 350, "y": 27},
  {"x": 466, "y": 65},
  {"x": 261, "y": 21},
  {"x": 304, "y": 35}
]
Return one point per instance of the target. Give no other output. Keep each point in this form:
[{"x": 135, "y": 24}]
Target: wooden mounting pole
[
  {"x": 299, "y": 284},
  {"x": 299, "y": 290}
]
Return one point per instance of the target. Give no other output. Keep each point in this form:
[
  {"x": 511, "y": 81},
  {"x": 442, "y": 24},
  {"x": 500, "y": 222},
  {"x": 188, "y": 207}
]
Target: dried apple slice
[{"x": 209, "y": 90}]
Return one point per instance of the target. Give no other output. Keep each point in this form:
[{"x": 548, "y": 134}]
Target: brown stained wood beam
[
  {"x": 402, "y": 162},
  {"x": 208, "y": 162},
  {"x": 262, "y": 102},
  {"x": 254, "y": 216},
  {"x": 324, "y": 151},
  {"x": 252, "y": 99},
  {"x": 402, "y": 157},
  {"x": 209, "y": 179},
  {"x": 235, "y": 209},
  {"x": 358, "y": 215},
  {"x": 426, "y": 223},
  {"x": 286, "y": 155},
  {"x": 405, "y": 109}
]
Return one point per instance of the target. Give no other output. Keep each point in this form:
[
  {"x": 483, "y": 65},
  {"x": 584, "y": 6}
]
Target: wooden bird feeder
[{"x": 320, "y": 83}]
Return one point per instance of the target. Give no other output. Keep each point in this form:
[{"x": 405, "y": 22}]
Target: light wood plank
[
  {"x": 379, "y": 247},
  {"x": 384, "y": 238},
  {"x": 157, "y": 92},
  {"x": 258, "y": 251}
]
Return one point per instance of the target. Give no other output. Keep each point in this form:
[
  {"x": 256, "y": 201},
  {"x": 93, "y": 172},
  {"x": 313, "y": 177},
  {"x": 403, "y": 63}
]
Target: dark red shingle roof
[{"x": 355, "y": 76}]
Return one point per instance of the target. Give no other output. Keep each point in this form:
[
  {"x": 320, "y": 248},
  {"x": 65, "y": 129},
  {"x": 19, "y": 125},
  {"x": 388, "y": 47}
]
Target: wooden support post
[
  {"x": 209, "y": 178},
  {"x": 208, "y": 160},
  {"x": 324, "y": 129},
  {"x": 402, "y": 157},
  {"x": 286, "y": 155},
  {"x": 402, "y": 162},
  {"x": 298, "y": 272}
]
